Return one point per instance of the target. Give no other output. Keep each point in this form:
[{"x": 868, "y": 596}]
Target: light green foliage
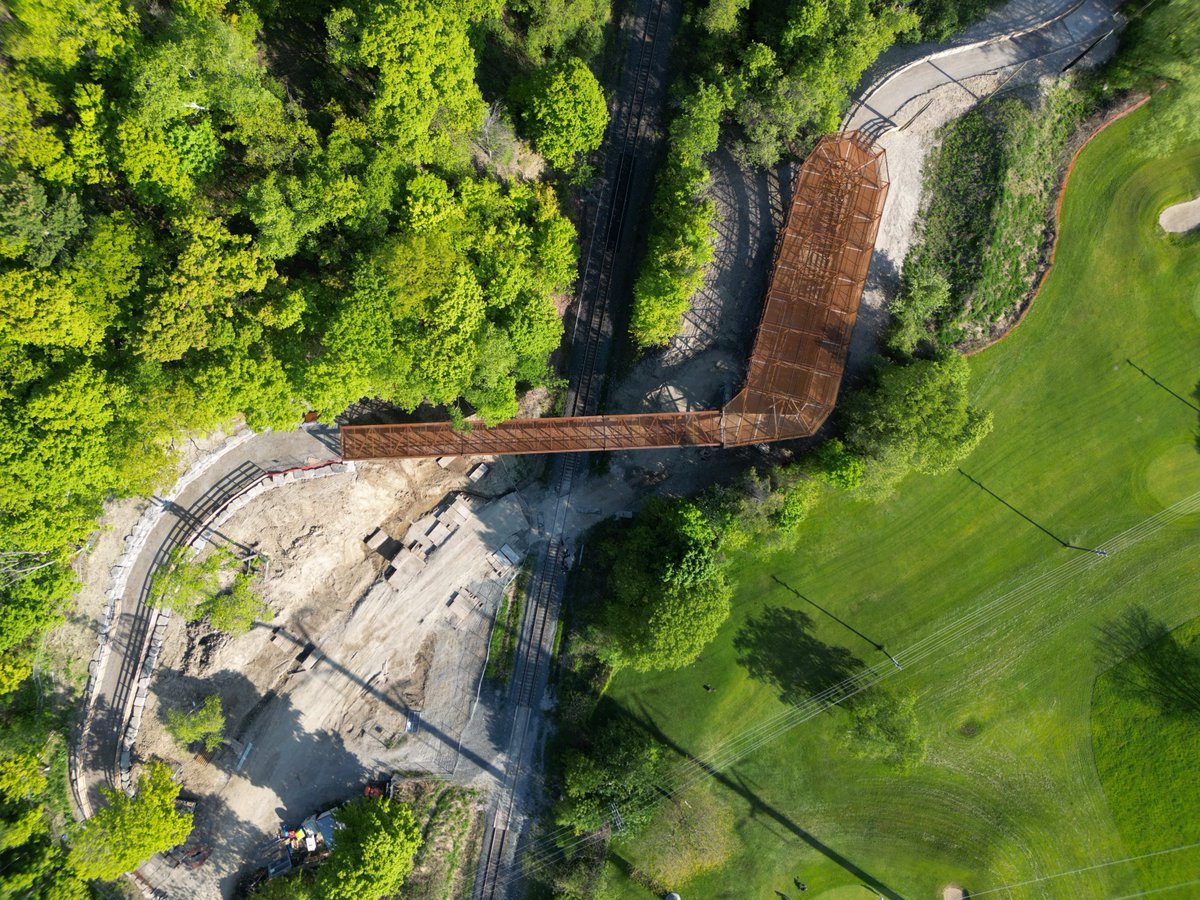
[
  {"x": 917, "y": 416},
  {"x": 33, "y": 858},
  {"x": 236, "y": 609},
  {"x": 668, "y": 591},
  {"x": 424, "y": 91},
  {"x": 885, "y": 727},
  {"x": 59, "y": 36},
  {"x": 193, "y": 303},
  {"x": 834, "y": 464},
  {"x": 694, "y": 133},
  {"x": 205, "y": 724},
  {"x": 27, "y": 143},
  {"x": 721, "y": 16},
  {"x": 376, "y": 842},
  {"x": 690, "y": 833},
  {"x": 127, "y": 832},
  {"x": 459, "y": 305},
  {"x": 680, "y": 245},
  {"x": 566, "y": 112},
  {"x": 797, "y": 502},
  {"x": 924, "y": 292},
  {"x": 181, "y": 585},
  {"x": 622, "y": 766},
  {"x": 546, "y": 29}
]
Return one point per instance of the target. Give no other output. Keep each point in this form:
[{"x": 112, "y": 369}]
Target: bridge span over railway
[{"x": 799, "y": 353}]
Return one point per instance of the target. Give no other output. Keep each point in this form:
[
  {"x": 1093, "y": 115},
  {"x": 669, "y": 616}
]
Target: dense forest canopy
[
  {"x": 219, "y": 209},
  {"x": 212, "y": 210}
]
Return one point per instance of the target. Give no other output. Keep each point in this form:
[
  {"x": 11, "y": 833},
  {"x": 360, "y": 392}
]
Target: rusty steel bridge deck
[{"x": 799, "y": 353}]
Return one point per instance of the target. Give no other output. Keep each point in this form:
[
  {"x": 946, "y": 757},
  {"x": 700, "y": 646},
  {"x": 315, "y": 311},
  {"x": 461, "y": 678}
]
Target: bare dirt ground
[
  {"x": 1181, "y": 218},
  {"x": 313, "y": 737}
]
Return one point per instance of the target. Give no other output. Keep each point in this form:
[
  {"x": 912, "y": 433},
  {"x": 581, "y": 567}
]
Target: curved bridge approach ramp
[{"x": 799, "y": 353}]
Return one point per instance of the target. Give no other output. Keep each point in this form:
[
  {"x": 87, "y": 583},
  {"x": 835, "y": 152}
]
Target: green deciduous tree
[
  {"x": 127, "y": 832},
  {"x": 916, "y": 416},
  {"x": 884, "y": 727},
  {"x": 668, "y": 591},
  {"x": 923, "y": 293},
  {"x": 192, "y": 304},
  {"x": 622, "y": 766},
  {"x": 566, "y": 113},
  {"x": 237, "y": 608},
  {"x": 205, "y": 724},
  {"x": 181, "y": 584},
  {"x": 376, "y": 841},
  {"x": 546, "y": 29}
]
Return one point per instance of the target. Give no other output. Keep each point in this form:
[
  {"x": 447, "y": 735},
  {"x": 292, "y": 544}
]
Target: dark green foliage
[
  {"x": 941, "y": 18},
  {"x": 884, "y": 727},
  {"x": 668, "y": 591},
  {"x": 547, "y": 29},
  {"x": 34, "y": 226},
  {"x": 622, "y": 765}
]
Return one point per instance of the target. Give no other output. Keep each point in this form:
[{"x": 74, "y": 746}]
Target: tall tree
[{"x": 127, "y": 832}]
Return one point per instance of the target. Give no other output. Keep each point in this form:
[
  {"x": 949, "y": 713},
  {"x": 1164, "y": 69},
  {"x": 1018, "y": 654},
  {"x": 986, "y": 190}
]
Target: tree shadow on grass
[
  {"x": 777, "y": 647},
  {"x": 1148, "y": 662}
]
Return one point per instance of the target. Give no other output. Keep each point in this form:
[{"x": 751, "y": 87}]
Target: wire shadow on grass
[
  {"x": 759, "y": 806},
  {"x": 1149, "y": 663},
  {"x": 777, "y": 647}
]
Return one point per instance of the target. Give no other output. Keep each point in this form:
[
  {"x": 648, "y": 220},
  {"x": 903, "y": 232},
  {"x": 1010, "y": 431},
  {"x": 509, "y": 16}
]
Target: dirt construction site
[{"x": 371, "y": 666}]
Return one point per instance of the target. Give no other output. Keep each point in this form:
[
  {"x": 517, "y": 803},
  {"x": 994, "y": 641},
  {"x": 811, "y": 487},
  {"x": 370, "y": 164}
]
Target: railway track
[{"x": 591, "y": 340}]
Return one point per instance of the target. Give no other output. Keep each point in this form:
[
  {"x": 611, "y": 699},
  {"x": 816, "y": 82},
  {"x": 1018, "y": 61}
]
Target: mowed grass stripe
[{"x": 1085, "y": 445}]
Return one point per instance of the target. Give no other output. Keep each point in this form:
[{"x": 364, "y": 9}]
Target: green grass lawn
[
  {"x": 1085, "y": 445},
  {"x": 1148, "y": 759}
]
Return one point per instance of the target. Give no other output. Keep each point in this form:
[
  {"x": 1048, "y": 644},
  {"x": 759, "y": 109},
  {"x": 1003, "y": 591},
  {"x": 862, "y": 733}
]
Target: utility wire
[
  {"x": 1103, "y": 865},
  {"x": 726, "y": 753}
]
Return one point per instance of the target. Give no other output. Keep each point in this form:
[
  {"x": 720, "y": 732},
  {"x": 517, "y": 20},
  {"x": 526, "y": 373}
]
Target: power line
[
  {"x": 1092, "y": 868},
  {"x": 1160, "y": 890},
  {"x": 731, "y": 750}
]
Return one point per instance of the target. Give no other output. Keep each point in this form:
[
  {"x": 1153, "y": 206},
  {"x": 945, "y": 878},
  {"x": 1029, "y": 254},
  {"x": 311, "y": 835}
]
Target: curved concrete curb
[
  {"x": 1056, "y": 220},
  {"x": 135, "y": 542},
  {"x": 156, "y": 633},
  {"x": 887, "y": 77}
]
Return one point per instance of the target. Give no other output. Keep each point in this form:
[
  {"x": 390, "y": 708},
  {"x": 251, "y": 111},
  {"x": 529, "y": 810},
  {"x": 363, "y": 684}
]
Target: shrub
[{"x": 205, "y": 724}]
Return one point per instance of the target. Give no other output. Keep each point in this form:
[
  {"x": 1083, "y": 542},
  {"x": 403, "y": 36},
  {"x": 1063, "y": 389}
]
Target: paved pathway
[
  {"x": 1064, "y": 28},
  {"x": 214, "y": 481}
]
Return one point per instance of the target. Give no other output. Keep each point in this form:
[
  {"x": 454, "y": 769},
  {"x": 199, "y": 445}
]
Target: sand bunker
[{"x": 1181, "y": 217}]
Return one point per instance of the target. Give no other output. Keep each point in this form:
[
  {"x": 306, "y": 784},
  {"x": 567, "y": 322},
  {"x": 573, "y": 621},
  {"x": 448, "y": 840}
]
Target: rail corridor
[{"x": 799, "y": 353}]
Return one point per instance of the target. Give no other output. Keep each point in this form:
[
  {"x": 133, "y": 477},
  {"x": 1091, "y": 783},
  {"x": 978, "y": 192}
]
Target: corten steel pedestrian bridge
[{"x": 799, "y": 352}]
